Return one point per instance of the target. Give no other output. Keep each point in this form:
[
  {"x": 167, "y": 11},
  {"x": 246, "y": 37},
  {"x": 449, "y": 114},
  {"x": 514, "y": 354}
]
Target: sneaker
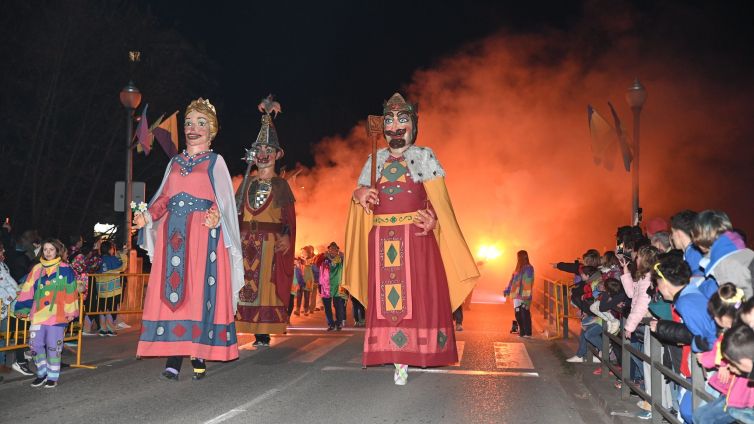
[
  {"x": 644, "y": 415},
  {"x": 199, "y": 375},
  {"x": 575, "y": 359},
  {"x": 23, "y": 368},
  {"x": 123, "y": 325},
  {"x": 256, "y": 343},
  {"x": 87, "y": 333},
  {"x": 38, "y": 382},
  {"x": 264, "y": 343},
  {"x": 168, "y": 376},
  {"x": 50, "y": 384},
  {"x": 102, "y": 333},
  {"x": 596, "y": 359},
  {"x": 338, "y": 327},
  {"x": 644, "y": 405},
  {"x": 459, "y": 327},
  {"x": 331, "y": 328},
  {"x": 111, "y": 333}
]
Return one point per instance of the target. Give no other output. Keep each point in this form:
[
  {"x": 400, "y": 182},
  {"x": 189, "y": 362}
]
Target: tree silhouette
[{"x": 63, "y": 143}]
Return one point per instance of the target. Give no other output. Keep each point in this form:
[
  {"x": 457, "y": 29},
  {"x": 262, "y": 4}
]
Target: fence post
[
  {"x": 625, "y": 372},
  {"x": 697, "y": 382},
  {"x": 655, "y": 356},
  {"x": 545, "y": 301},
  {"x": 565, "y": 302},
  {"x": 605, "y": 350}
]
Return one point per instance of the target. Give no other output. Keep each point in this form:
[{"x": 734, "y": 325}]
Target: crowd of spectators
[{"x": 689, "y": 285}]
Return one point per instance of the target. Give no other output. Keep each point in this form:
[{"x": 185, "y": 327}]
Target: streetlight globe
[
  {"x": 636, "y": 95},
  {"x": 130, "y": 96}
]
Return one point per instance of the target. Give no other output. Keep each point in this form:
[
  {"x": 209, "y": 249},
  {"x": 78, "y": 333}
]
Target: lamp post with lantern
[
  {"x": 635, "y": 97},
  {"x": 130, "y": 98}
]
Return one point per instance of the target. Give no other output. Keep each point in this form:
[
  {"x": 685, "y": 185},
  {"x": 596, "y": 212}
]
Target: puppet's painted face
[
  {"x": 398, "y": 130},
  {"x": 265, "y": 155},
  {"x": 196, "y": 129}
]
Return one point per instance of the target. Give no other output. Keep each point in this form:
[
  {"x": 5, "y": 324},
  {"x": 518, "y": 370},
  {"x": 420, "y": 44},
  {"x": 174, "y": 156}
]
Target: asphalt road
[{"x": 312, "y": 376}]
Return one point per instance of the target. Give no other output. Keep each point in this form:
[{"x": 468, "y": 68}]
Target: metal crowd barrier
[
  {"x": 658, "y": 373},
  {"x": 130, "y": 302},
  {"x": 556, "y": 305},
  {"x": 16, "y": 335}
]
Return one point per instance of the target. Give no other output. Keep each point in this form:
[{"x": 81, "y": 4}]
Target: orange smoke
[{"x": 507, "y": 119}]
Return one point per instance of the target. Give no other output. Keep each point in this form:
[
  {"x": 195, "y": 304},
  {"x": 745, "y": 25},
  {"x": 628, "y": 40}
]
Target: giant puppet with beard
[{"x": 403, "y": 241}]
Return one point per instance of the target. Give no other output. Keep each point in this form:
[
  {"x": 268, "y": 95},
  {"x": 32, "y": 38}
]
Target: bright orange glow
[{"x": 488, "y": 253}]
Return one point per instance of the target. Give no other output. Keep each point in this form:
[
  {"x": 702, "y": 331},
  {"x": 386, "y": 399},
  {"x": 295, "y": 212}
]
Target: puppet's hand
[
  {"x": 283, "y": 244},
  {"x": 426, "y": 220},
  {"x": 367, "y": 197}
]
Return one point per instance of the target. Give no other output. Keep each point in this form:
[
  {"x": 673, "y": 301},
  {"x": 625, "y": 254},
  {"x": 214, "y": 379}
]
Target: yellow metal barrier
[
  {"x": 556, "y": 305},
  {"x": 18, "y": 336},
  {"x": 129, "y": 302}
]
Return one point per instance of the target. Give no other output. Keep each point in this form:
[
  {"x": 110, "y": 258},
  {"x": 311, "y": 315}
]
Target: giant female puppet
[
  {"x": 190, "y": 232},
  {"x": 268, "y": 235},
  {"x": 405, "y": 242}
]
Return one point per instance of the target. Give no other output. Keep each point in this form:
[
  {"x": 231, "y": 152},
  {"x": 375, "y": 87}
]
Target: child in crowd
[
  {"x": 50, "y": 301},
  {"x": 738, "y": 350},
  {"x": 735, "y": 393}
]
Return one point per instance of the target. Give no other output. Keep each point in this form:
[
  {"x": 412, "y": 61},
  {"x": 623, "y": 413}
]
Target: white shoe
[
  {"x": 123, "y": 325},
  {"x": 401, "y": 374},
  {"x": 596, "y": 360},
  {"x": 575, "y": 359}
]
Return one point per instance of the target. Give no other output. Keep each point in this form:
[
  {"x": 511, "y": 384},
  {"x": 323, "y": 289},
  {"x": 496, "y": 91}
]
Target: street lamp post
[
  {"x": 130, "y": 97},
  {"x": 635, "y": 96}
]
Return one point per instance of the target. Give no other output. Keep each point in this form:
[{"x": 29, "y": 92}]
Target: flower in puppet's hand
[{"x": 141, "y": 207}]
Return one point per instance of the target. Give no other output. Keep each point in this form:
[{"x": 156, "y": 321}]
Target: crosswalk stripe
[
  {"x": 274, "y": 341},
  {"x": 316, "y": 349},
  {"x": 512, "y": 355},
  {"x": 440, "y": 371}
]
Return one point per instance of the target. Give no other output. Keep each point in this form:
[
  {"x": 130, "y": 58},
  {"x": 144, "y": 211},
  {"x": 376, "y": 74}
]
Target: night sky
[{"x": 332, "y": 63}]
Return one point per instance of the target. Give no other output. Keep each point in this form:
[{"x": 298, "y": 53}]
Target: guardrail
[
  {"x": 129, "y": 302},
  {"x": 659, "y": 372},
  {"x": 556, "y": 305}
]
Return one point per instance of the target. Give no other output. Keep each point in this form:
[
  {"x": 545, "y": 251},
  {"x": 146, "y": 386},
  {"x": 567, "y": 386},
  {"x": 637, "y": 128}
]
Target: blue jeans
[
  {"x": 713, "y": 413},
  {"x": 593, "y": 335},
  {"x": 340, "y": 310},
  {"x": 745, "y": 415}
]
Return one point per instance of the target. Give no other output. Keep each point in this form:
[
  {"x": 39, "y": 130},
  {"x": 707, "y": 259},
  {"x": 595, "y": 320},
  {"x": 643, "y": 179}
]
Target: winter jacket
[
  {"x": 8, "y": 290},
  {"x": 727, "y": 262},
  {"x": 691, "y": 305},
  {"x": 637, "y": 291},
  {"x": 48, "y": 295},
  {"x": 738, "y": 392},
  {"x": 673, "y": 332},
  {"x": 520, "y": 285},
  {"x": 330, "y": 276}
]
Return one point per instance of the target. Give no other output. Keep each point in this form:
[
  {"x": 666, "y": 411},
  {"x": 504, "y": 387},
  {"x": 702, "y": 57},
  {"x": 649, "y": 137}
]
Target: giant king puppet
[{"x": 406, "y": 258}]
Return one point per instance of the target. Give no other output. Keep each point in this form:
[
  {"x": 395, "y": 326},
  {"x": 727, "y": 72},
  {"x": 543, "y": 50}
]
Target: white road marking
[
  {"x": 264, "y": 396},
  {"x": 441, "y": 371},
  {"x": 512, "y": 355}
]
